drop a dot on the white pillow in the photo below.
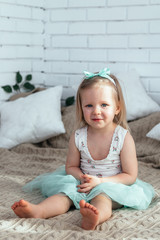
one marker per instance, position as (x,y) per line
(138,103)
(4,96)
(31,119)
(154,132)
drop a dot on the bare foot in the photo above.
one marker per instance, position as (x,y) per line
(90,215)
(24,209)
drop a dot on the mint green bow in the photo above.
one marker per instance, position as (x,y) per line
(103,73)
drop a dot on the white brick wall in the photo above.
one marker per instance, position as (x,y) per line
(21,39)
(56,40)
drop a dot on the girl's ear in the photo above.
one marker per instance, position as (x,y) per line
(117,109)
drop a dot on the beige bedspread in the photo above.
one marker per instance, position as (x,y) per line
(26,161)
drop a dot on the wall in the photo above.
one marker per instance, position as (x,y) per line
(57,40)
(21,39)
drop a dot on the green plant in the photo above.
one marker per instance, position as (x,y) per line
(20,83)
(69,101)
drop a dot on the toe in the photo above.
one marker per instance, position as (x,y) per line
(82,203)
(14,205)
(22,203)
(90,206)
(87,205)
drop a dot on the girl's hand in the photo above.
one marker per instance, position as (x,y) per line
(85,178)
(87,183)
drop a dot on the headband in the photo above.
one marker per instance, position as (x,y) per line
(103,73)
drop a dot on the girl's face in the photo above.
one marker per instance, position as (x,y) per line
(99,106)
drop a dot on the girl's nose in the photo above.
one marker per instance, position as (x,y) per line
(96,110)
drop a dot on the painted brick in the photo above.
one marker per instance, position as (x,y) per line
(13,25)
(56,28)
(47,41)
(56,4)
(38,78)
(144,12)
(155,27)
(7,52)
(155,96)
(154,85)
(57,40)
(68,15)
(47,66)
(20,52)
(30,26)
(15,11)
(114,67)
(38,65)
(155,55)
(35,39)
(7,24)
(86,3)
(8,78)
(155,1)
(47,16)
(87,55)
(125,27)
(56,54)
(75,80)
(144,41)
(13,66)
(69,41)
(87,28)
(55,79)
(107,14)
(128,55)
(37,13)
(127,2)
(20,39)
(32,3)
(108,41)
(29,52)
(12,38)
(9,1)
(146,70)
(69,67)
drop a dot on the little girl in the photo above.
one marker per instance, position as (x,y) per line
(101,167)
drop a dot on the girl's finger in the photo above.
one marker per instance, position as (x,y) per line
(86,176)
(84,190)
(83,185)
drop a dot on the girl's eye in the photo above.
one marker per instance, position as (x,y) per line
(104,105)
(89,105)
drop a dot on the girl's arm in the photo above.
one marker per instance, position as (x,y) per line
(129,168)
(73,160)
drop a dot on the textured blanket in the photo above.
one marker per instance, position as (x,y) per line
(26,161)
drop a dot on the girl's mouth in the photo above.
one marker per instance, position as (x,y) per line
(96,119)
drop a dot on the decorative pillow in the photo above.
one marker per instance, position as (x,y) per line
(31,119)
(147,149)
(138,103)
(69,120)
(154,132)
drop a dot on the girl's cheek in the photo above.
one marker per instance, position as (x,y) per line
(87,111)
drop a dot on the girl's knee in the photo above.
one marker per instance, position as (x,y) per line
(104,198)
(104,206)
(102,201)
(114,205)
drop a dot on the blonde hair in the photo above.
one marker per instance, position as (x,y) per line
(120,118)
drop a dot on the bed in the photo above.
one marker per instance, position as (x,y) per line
(25,161)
